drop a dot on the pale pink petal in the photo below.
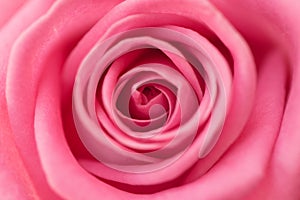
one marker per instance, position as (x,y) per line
(9,9)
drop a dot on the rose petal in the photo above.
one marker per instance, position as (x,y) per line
(8,9)
(34,177)
(30,51)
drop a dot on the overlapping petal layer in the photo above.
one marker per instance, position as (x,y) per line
(163,108)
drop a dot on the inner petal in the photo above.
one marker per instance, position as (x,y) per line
(148,92)
(142,101)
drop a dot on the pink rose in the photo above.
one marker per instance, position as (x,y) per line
(160,99)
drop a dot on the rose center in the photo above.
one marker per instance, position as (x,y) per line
(144,100)
(148,93)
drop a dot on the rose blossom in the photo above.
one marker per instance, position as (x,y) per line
(182,99)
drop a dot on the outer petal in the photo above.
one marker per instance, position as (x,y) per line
(44,45)
(282,174)
(8,9)
(15,181)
